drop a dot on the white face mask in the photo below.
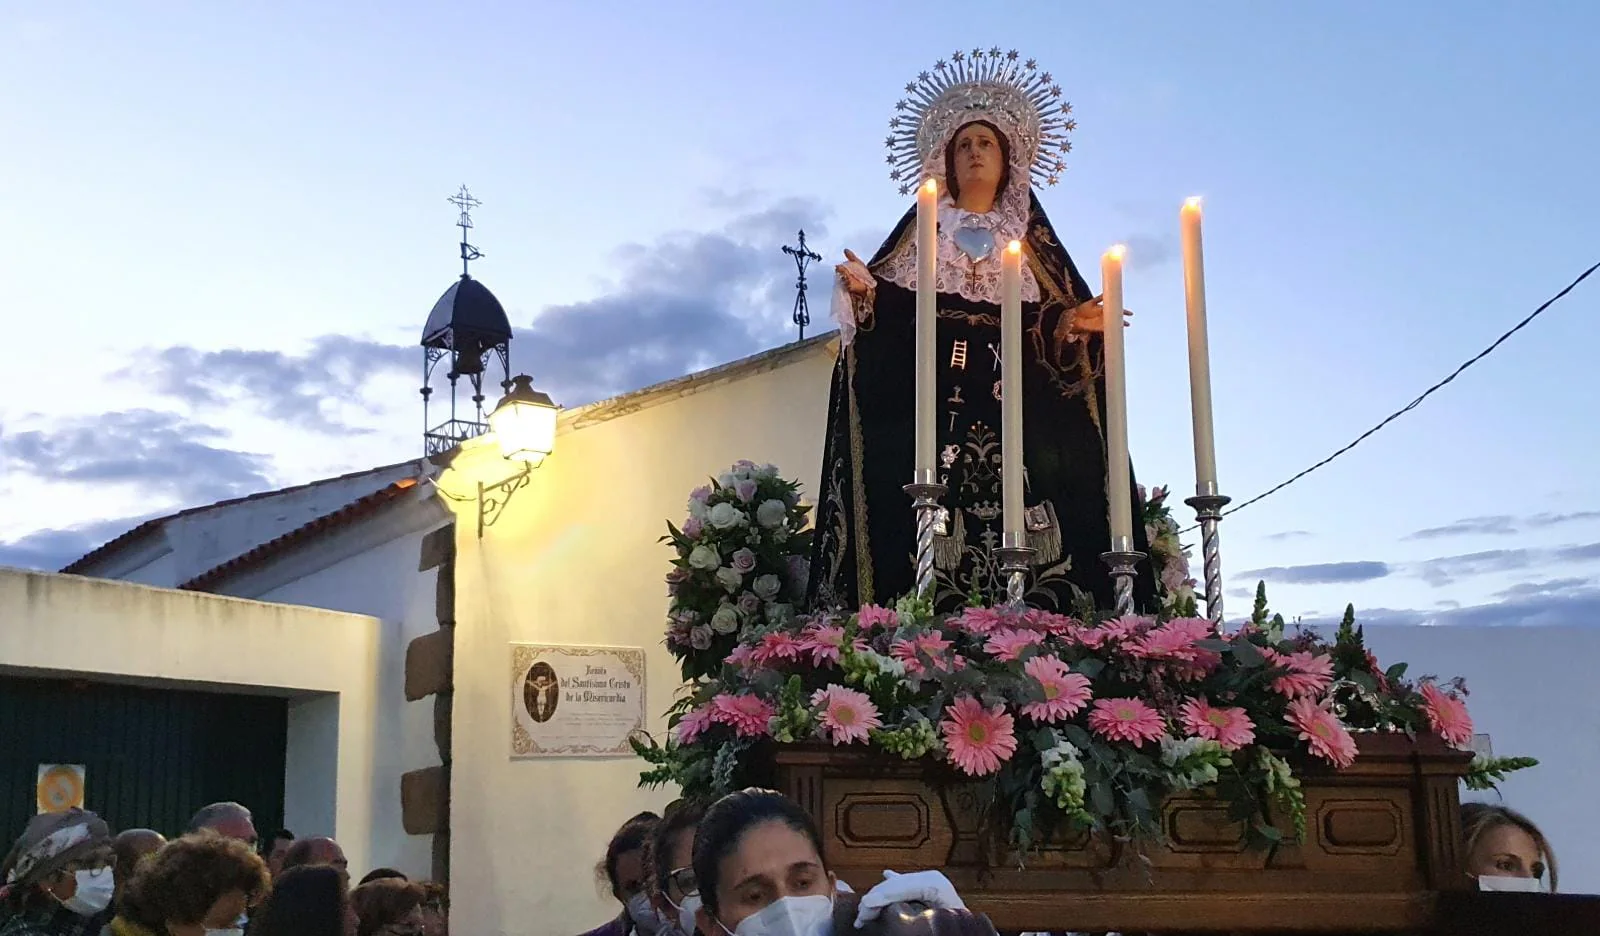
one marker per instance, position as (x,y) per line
(686,913)
(643,914)
(94,892)
(789,916)
(1518,885)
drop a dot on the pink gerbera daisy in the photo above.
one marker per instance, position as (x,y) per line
(871,616)
(1175,640)
(1126,719)
(1447,714)
(1065,692)
(693,724)
(748,715)
(1006,643)
(743,656)
(1310,674)
(1318,727)
(979,621)
(931,645)
(978,740)
(1229,727)
(776,647)
(1056,625)
(847,715)
(1115,631)
(825,643)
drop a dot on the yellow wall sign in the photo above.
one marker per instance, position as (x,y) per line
(60,787)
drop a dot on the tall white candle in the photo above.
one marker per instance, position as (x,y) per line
(927,330)
(1118,473)
(1194,294)
(1011,462)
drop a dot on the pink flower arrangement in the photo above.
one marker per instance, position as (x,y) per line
(1310,674)
(748,715)
(776,647)
(694,723)
(932,645)
(1322,732)
(825,643)
(846,715)
(1056,625)
(1175,640)
(872,616)
(980,621)
(976,739)
(1114,632)
(1065,692)
(1005,644)
(1447,714)
(743,657)
(1127,719)
(1229,727)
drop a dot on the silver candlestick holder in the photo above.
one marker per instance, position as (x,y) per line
(1016,557)
(926,492)
(1208,504)
(1123,561)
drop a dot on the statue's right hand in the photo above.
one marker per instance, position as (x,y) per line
(855,275)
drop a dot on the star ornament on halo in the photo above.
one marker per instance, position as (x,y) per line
(983,84)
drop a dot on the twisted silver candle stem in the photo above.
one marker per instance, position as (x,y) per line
(1123,562)
(1015,558)
(1208,509)
(925,496)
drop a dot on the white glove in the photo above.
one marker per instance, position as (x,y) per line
(925,887)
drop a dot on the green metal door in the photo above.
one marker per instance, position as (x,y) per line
(151,756)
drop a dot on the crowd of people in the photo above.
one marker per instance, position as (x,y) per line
(752,864)
(749,864)
(68,875)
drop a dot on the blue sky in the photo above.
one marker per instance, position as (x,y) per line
(223,229)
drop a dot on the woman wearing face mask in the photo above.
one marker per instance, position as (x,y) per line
(623,871)
(758,863)
(199,885)
(1506,851)
(671,854)
(58,878)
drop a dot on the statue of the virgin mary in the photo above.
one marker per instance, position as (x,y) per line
(984,125)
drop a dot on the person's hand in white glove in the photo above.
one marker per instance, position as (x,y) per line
(930,888)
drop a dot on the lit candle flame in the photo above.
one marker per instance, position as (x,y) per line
(1192,203)
(1117,253)
(932,185)
(1014,247)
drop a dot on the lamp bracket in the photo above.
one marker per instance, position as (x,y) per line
(493,498)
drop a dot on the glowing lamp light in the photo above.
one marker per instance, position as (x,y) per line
(524,422)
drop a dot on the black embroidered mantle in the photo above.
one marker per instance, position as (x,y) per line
(865,531)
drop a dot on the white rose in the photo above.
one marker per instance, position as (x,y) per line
(704,558)
(767,587)
(727,479)
(731,579)
(699,510)
(725,515)
(726,620)
(772,513)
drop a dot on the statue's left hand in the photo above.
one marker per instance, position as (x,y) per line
(1091,316)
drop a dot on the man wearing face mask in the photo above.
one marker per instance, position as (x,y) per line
(58,878)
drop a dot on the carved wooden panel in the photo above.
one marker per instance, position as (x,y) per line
(1382,840)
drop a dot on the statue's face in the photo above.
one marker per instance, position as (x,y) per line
(979,161)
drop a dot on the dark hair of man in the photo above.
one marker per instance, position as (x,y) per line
(306,901)
(680,817)
(384,874)
(725,824)
(631,837)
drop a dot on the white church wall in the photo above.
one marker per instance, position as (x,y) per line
(574,559)
(1533,692)
(324,661)
(370,568)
